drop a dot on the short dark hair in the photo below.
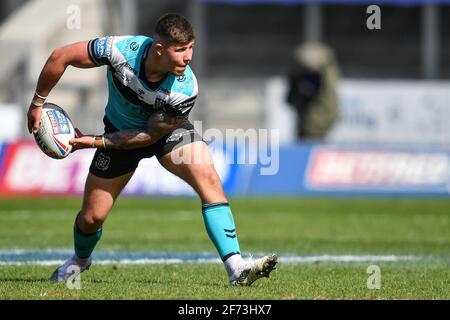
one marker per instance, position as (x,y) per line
(174,28)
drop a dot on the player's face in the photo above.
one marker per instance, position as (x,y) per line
(178,57)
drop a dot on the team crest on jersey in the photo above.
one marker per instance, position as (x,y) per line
(102,162)
(134,46)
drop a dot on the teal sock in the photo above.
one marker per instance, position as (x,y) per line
(221,230)
(85,243)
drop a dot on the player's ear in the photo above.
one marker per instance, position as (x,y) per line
(159,49)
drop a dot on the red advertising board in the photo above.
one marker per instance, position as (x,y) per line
(28,171)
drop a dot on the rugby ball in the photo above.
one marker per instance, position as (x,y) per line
(55,132)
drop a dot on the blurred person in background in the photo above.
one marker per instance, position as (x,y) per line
(152,90)
(312,90)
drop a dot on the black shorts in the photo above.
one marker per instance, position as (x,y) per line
(112,163)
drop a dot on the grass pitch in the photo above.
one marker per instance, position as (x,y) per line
(397,227)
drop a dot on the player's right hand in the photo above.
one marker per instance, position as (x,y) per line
(81,141)
(34,118)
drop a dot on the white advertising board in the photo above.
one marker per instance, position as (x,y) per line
(375,111)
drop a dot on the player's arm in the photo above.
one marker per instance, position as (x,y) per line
(159,125)
(76,55)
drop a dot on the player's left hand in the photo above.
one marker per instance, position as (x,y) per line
(81,141)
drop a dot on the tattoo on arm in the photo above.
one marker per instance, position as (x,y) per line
(129,139)
(158,126)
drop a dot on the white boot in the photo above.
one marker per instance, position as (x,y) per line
(252,270)
(72,267)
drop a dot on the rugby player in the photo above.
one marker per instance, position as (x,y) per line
(152,89)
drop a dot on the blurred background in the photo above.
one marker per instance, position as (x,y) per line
(379,78)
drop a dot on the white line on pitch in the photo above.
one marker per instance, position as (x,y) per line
(55,257)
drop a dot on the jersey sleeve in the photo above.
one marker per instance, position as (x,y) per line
(100,50)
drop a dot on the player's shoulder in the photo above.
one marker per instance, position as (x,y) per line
(130,46)
(117,50)
(186,84)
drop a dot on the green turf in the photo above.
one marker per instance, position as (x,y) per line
(298,226)
(207,281)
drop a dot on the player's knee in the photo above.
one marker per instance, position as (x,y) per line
(91,220)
